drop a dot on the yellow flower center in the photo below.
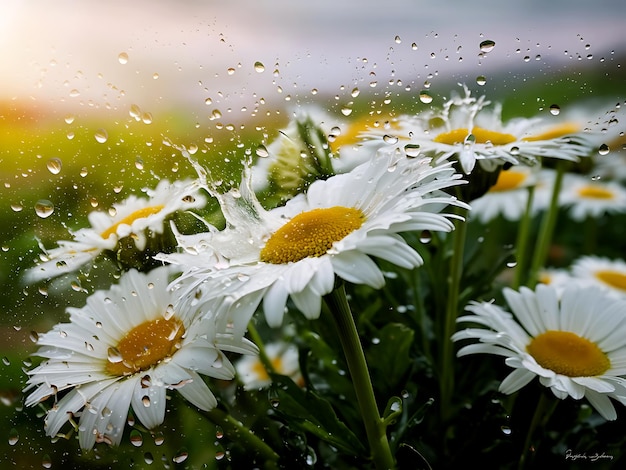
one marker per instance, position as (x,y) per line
(482,136)
(508,180)
(145,346)
(595,192)
(568,354)
(350,136)
(259,369)
(129,219)
(612,278)
(555,132)
(311,234)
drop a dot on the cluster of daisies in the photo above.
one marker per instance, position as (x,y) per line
(342,194)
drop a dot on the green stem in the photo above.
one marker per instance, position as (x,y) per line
(337,303)
(452,311)
(546,231)
(263,357)
(521,243)
(543,411)
(237,432)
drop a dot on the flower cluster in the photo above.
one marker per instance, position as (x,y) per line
(338,213)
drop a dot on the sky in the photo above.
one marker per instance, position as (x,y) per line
(158,54)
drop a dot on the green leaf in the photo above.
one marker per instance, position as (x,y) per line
(306,411)
(388,357)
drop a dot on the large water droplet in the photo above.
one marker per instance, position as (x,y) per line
(425,97)
(555,109)
(261,151)
(481,80)
(603,149)
(54,166)
(390,139)
(122,58)
(114,355)
(136,438)
(101,136)
(44,208)
(412,150)
(181,456)
(259,67)
(487,45)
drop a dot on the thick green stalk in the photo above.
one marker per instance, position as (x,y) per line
(237,432)
(375,428)
(546,231)
(451,314)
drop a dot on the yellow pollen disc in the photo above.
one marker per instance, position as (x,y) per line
(612,278)
(259,369)
(568,354)
(129,219)
(595,192)
(508,180)
(311,234)
(350,136)
(561,130)
(482,136)
(145,346)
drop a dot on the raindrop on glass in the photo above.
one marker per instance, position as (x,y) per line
(259,67)
(122,58)
(69,118)
(181,456)
(13,437)
(136,438)
(44,208)
(506,430)
(261,151)
(390,139)
(555,109)
(101,136)
(604,149)
(114,355)
(54,166)
(487,45)
(481,80)
(425,97)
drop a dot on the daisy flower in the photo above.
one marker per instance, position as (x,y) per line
(609,274)
(123,349)
(508,197)
(135,217)
(575,343)
(589,198)
(467,128)
(284,359)
(331,230)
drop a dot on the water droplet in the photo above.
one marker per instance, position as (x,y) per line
(425,236)
(74,93)
(511,262)
(136,438)
(101,136)
(355,92)
(17,207)
(13,437)
(219,432)
(487,45)
(555,109)
(114,355)
(481,80)
(139,163)
(181,456)
(69,118)
(261,151)
(46,461)
(146,401)
(44,208)
(259,67)
(604,149)
(346,111)
(390,139)
(54,166)
(275,402)
(412,150)
(122,58)
(506,430)
(425,97)
(230,71)
(148,458)
(146,118)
